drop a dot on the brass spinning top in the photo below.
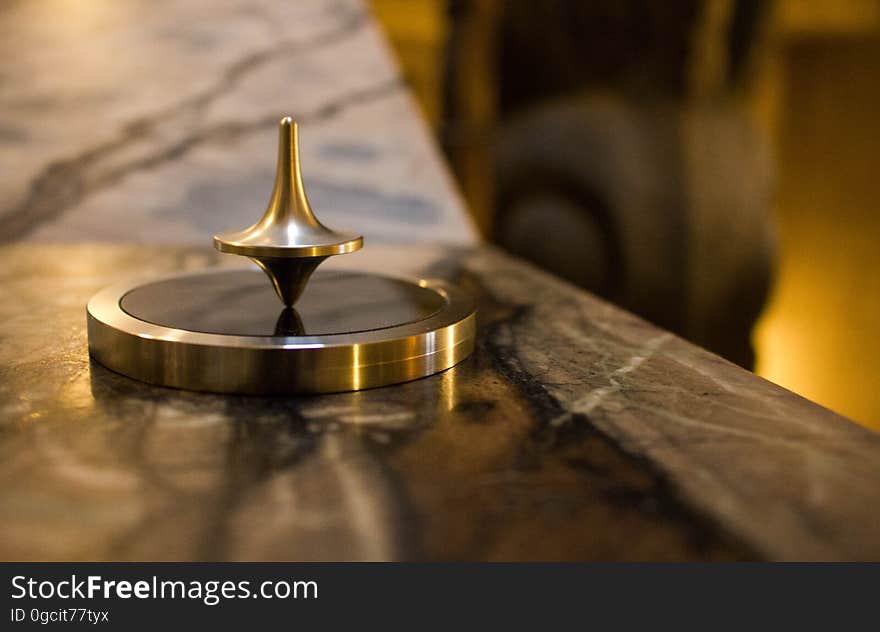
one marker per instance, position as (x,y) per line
(289,242)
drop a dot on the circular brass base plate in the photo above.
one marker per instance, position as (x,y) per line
(225,331)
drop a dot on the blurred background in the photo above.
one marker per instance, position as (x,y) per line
(708,164)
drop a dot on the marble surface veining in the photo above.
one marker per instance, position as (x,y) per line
(575,431)
(155,121)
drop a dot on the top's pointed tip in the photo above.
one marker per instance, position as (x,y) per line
(288,121)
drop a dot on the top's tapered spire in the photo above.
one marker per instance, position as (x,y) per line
(289,196)
(288,242)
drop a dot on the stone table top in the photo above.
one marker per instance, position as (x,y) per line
(156,121)
(575,431)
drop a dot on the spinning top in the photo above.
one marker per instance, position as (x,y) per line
(225,331)
(289,242)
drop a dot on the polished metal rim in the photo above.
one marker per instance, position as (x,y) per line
(220,363)
(350,244)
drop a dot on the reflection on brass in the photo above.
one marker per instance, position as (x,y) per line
(289,242)
(289,323)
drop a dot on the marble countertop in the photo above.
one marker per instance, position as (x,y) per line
(575,431)
(156,121)
(131,131)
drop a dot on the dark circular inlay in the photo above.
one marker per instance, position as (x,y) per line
(243,303)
